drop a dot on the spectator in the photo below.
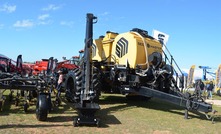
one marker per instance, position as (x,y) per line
(199,88)
(59,83)
(210,89)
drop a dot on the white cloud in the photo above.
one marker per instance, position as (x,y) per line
(51,7)
(24,24)
(104,14)
(67,23)
(43,17)
(8,8)
(45,22)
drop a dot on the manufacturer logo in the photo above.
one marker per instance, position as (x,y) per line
(94,50)
(122,47)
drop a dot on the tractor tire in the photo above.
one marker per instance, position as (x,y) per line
(74,83)
(96,85)
(42,107)
(78,85)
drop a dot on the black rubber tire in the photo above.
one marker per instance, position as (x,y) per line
(42,107)
(78,85)
(71,93)
(96,85)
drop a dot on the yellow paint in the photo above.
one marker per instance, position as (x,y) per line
(135,55)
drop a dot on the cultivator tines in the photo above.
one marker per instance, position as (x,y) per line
(39,87)
(29,88)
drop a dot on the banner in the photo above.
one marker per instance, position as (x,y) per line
(162,37)
(218,78)
(190,76)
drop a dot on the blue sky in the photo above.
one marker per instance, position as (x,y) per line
(43,28)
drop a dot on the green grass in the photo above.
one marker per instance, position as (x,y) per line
(117,114)
(216,97)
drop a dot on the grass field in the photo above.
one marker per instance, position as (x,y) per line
(117,114)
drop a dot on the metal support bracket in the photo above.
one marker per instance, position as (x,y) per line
(87,115)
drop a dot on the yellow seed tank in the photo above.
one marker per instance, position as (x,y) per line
(131,47)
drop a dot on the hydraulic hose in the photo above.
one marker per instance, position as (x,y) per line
(145,48)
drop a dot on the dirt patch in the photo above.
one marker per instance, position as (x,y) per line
(214,102)
(161,132)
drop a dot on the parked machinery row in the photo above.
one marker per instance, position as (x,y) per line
(29,87)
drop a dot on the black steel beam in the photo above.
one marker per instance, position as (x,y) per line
(20,87)
(177,100)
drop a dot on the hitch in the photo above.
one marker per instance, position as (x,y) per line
(212,116)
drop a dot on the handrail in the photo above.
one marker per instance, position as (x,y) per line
(171,61)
